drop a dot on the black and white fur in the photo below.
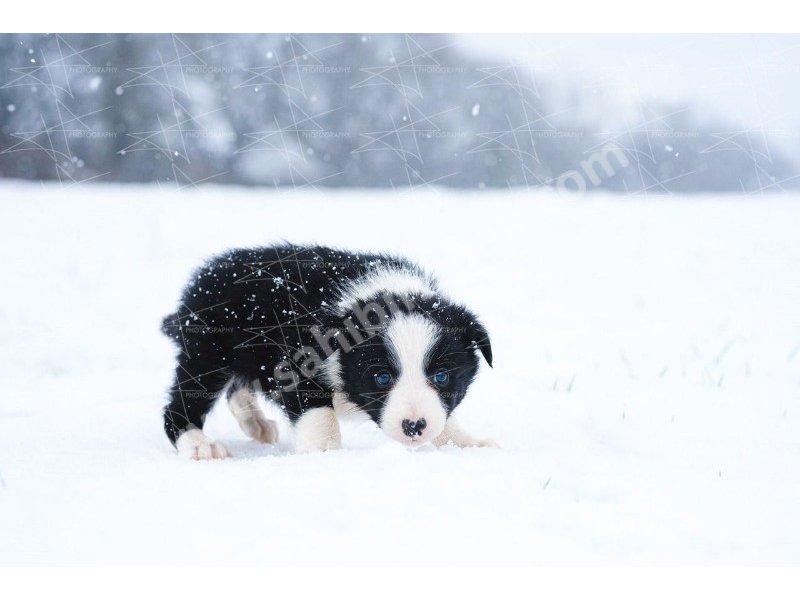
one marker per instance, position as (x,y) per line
(320,331)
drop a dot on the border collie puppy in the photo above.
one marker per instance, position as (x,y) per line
(323,332)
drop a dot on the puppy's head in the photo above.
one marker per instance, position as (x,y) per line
(411,374)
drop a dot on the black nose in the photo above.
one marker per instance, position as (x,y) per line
(414,428)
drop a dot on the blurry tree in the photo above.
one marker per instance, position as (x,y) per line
(384,110)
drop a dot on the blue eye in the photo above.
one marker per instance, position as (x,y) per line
(441,378)
(383,378)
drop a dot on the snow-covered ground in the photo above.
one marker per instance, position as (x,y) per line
(646,389)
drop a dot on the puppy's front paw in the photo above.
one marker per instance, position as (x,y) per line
(305,446)
(464,441)
(196,445)
(317,430)
(486,443)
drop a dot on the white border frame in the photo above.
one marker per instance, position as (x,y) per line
(417,16)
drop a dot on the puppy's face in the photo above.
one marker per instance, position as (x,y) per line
(415,371)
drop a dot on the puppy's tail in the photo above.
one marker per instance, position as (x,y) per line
(170,324)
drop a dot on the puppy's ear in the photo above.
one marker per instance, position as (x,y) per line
(479,339)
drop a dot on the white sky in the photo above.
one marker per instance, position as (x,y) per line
(751,80)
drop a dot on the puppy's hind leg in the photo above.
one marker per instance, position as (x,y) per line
(244,406)
(195,444)
(196,389)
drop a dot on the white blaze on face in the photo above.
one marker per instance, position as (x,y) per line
(385,280)
(410,339)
